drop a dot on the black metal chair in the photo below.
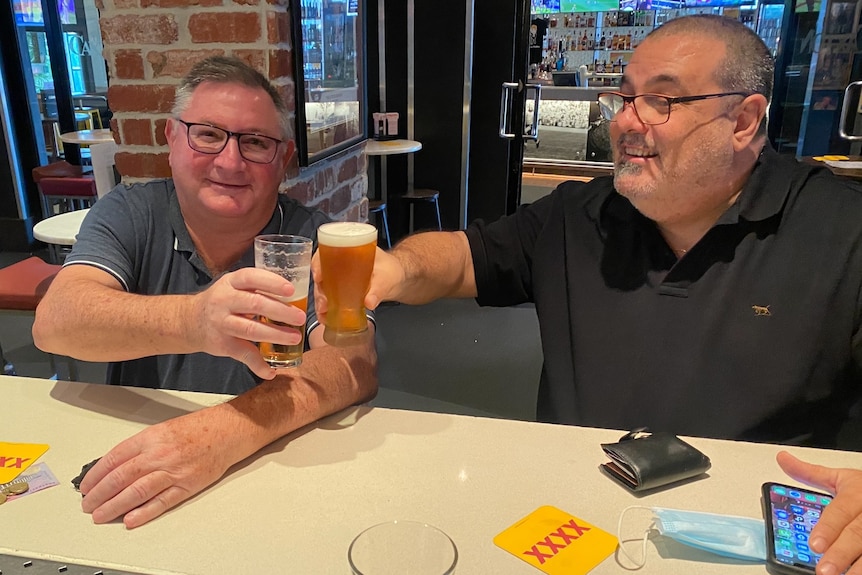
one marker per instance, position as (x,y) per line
(423,196)
(378,208)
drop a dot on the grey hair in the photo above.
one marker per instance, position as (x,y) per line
(748,65)
(229,70)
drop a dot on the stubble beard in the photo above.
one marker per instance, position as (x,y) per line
(628,184)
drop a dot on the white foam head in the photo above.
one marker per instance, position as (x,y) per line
(346,234)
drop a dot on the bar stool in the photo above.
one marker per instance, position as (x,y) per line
(95,118)
(423,196)
(22,286)
(64,186)
(60,151)
(378,208)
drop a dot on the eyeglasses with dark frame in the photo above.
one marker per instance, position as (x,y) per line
(207,139)
(651,109)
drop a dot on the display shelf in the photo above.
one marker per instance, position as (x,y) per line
(595,39)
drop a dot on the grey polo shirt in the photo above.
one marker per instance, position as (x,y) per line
(138,235)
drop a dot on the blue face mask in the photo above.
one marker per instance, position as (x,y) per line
(727,535)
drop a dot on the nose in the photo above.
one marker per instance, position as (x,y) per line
(230,156)
(627,119)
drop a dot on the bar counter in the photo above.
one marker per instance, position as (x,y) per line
(295,506)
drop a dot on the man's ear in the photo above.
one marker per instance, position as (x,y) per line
(170,135)
(170,126)
(750,114)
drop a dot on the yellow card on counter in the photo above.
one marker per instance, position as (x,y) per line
(556,542)
(16,457)
(830,158)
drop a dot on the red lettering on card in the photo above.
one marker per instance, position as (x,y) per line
(538,555)
(552,547)
(555,548)
(563,535)
(580,530)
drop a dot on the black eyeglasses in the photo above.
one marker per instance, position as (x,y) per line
(651,109)
(208,139)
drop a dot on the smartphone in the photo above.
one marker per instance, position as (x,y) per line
(790,513)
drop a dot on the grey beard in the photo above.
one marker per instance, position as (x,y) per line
(627,169)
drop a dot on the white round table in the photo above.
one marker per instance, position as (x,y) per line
(390,147)
(88,137)
(59,230)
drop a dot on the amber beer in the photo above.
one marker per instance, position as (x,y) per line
(289,257)
(346,262)
(276,354)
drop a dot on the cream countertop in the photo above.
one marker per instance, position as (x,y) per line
(295,506)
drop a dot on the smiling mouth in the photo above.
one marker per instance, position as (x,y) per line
(636,152)
(227,185)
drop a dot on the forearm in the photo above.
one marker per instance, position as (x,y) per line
(88,320)
(435,265)
(328,380)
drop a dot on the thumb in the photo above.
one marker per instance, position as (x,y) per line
(808,473)
(372,300)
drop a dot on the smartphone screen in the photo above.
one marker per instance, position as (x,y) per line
(790,515)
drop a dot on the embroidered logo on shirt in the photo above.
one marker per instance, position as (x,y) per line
(761,310)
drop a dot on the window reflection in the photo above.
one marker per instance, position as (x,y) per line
(331,66)
(85,68)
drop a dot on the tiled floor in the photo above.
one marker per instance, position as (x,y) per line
(449,356)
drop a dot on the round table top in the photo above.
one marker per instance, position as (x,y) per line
(88,137)
(61,229)
(389,147)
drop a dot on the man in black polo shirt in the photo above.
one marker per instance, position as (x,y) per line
(711,287)
(162,284)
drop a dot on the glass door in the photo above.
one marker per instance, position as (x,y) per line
(83,88)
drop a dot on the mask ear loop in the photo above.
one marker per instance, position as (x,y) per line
(642,562)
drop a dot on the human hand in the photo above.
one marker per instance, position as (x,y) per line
(386,281)
(838,533)
(157,469)
(223,317)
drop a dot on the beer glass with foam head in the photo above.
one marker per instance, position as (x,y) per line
(289,257)
(346,262)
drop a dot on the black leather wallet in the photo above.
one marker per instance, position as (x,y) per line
(645,461)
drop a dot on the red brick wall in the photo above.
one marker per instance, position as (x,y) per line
(150,44)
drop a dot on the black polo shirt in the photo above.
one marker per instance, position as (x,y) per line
(138,235)
(754,334)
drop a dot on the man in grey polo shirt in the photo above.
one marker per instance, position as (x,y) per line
(161,284)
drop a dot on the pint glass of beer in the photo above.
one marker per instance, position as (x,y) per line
(346,261)
(289,257)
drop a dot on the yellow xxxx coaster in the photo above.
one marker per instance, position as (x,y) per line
(556,542)
(16,457)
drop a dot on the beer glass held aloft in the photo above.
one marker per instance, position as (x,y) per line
(289,257)
(346,261)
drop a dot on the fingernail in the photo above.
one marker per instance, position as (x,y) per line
(826,569)
(818,545)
